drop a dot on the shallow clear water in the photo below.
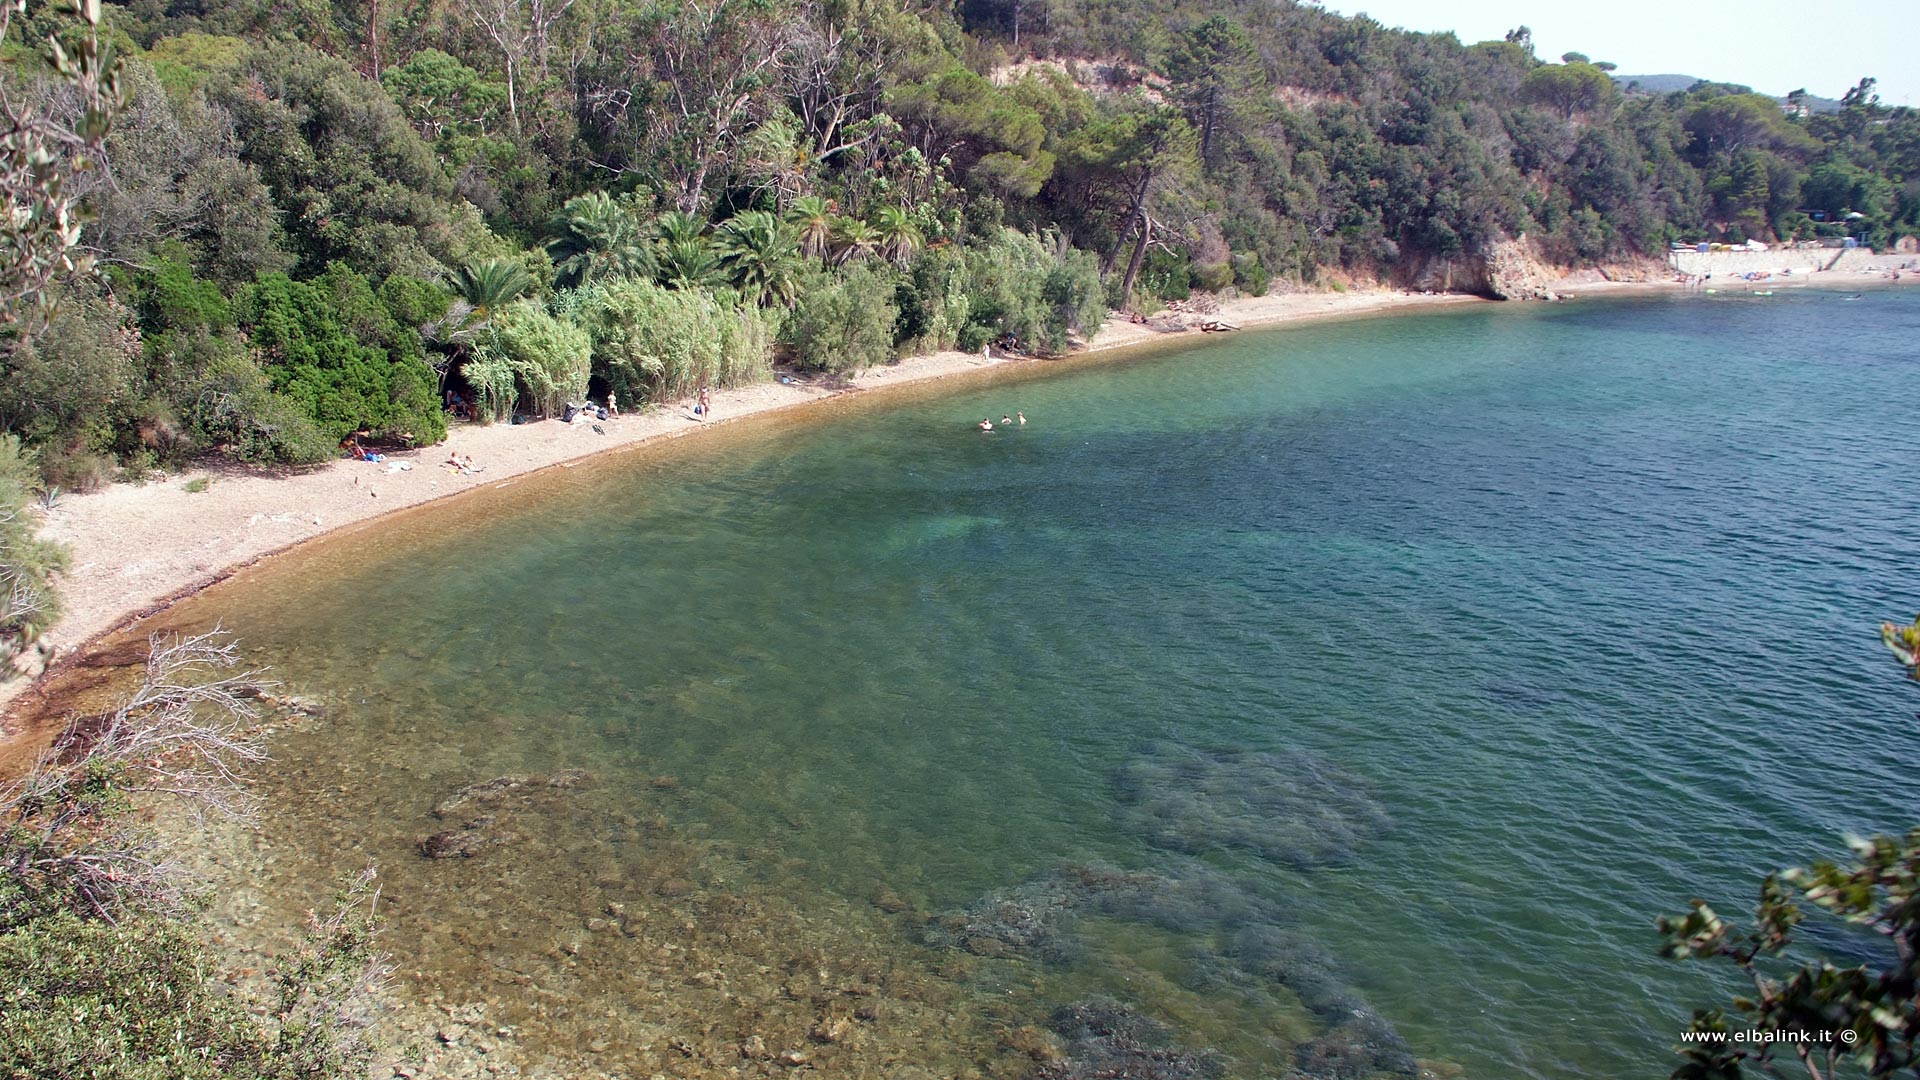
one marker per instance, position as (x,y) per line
(1581,599)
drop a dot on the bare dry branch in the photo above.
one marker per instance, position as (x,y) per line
(184,733)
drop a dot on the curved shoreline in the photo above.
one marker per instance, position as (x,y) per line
(137,549)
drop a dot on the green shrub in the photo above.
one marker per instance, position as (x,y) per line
(136,466)
(845,321)
(170,297)
(495,388)
(1075,298)
(197,485)
(1036,289)
(1249,276)
(70,384)
(107,976)
(335,351)
(1166,274)
(76,468)
(129,1001)
(1212,278)
(229,406)
(28,604)
(655,343)
(932,301)
(550,355)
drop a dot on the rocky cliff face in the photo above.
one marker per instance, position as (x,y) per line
(1505,270)
(1512,273)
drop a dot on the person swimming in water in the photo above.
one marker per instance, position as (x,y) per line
(986,423)
(1023,418)
(1005,420)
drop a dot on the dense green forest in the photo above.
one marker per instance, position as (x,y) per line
(312,219)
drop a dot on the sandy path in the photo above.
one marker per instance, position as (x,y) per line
(135,547)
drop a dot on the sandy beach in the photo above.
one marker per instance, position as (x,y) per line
(136,547)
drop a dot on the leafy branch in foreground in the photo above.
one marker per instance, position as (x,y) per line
(39,149)
(1868,1014)
(28,603)
(107,975)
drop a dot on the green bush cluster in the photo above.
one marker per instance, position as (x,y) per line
(651,342)
(845,322)
(332,349)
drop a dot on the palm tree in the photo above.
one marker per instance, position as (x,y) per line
(899,237)
(760,255)
(600,237)
(853,239)
(676,226)
(687,264)
(487,286)
(684,255)
(811,218)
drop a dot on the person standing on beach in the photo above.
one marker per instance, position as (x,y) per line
(613,407)
(706,404)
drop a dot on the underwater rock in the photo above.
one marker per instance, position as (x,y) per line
(1034,921)
(1359,1042)
(470,839)
(290,705)
(831,1029)
(1193,898)
(1028,920)
(1362,1048)
(501,788)
(1031,920)
(487,808)
(1293,807)
(1300,965)
(1105,1040)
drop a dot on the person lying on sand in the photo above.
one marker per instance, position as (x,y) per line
(359,453)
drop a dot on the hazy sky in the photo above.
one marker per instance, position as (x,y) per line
(1770,45)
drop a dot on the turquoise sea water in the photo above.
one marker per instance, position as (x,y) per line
(1452,649)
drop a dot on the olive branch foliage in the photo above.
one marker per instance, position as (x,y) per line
(1864,1017)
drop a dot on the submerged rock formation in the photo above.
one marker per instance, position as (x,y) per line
(1105,1039)
(1358,1041)
(1251,951)
(1293,806)
(1029,920)
(485,812)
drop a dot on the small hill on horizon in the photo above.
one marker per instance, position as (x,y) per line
(1671,84)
